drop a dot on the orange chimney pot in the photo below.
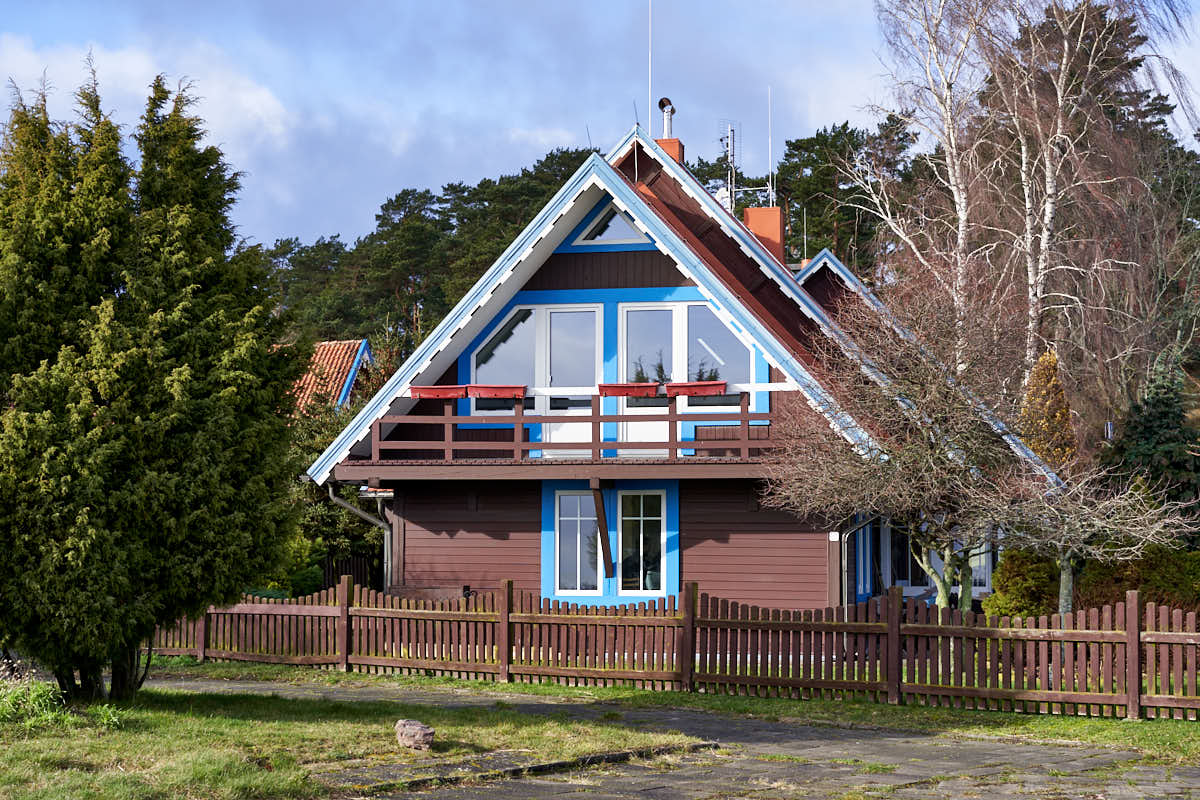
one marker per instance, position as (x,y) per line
(767,225)
(674,148)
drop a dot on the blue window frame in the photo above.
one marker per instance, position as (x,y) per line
(639,514)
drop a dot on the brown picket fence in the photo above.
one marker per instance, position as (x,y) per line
(1126,660)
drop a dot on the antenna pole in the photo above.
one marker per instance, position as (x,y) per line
(649,66)
(770,155)
(804,213)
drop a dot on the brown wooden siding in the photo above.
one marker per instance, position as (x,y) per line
(826,288)
(475,534)
(620,270)
(765,557)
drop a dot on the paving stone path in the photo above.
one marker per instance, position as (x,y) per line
(760,759)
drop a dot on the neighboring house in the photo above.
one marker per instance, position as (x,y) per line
(591,419)
(332,372)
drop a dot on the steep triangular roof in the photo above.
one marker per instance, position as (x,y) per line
(594,178)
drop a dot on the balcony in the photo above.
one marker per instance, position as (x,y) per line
(658,435)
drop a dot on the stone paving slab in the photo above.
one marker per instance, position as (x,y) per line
(761,760)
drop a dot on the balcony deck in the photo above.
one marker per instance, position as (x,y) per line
(450,446)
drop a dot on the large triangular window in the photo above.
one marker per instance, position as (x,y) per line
(612,227)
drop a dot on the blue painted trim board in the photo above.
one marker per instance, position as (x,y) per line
(610,594)
(364,351)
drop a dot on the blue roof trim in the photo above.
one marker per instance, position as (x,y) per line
(597,167)
(364,350)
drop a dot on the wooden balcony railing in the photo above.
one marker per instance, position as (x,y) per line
(739,433)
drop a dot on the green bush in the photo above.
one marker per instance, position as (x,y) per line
(1024,585)
(308,580)
(1164,576)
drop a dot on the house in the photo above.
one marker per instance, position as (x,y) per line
(591,419)
(332,373)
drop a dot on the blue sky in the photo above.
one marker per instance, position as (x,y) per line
(331,108)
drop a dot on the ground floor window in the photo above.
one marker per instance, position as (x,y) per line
(642,536)
(640,520)
(577,543)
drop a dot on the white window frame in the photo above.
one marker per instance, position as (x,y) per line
(679,343)
(541,354)
(582,241)
(558,590)
(662,591)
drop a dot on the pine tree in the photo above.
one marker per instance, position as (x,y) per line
(144,471)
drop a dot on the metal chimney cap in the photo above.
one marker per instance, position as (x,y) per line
(664,104)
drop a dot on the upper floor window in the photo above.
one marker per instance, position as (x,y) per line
(611,227)
(682,342)
(542,346)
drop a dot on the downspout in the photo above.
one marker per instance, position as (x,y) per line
(377,522)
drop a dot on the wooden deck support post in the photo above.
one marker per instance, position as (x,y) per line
(343,623)
(1133,656)
(686,648)
(504,630)
(201,636)
(448,431)
(744,425)
(895,606)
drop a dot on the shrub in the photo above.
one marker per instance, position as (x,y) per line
(31,704)
(1024,585)
(1164,576)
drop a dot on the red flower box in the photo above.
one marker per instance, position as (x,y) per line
(696,389)
(437,392)
(628,389)
(495,391)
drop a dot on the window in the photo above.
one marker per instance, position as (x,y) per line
(714,354)
(541,346)
(507,357)
(572,355)
(642,532)
(578,543)
(682,342)
(905,569)
(612,227)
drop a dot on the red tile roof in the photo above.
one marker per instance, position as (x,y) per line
(327,372)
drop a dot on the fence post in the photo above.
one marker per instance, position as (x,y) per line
(343,623)
(504,630)
(1133,656)
(201,636)
(686,649)
(895,601)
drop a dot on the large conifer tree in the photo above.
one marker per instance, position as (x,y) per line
(143,467)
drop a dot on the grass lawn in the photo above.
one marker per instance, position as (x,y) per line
(169,744)
(1162,741)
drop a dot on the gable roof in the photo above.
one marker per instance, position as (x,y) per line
(735,294)
(331,372)
(560,216)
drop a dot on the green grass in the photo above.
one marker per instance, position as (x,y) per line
(867,767)
(180,744)
(1161,741)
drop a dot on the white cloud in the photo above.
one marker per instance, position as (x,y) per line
(543,138)
(241,115)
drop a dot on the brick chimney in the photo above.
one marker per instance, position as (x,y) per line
(673,146)
(767,225)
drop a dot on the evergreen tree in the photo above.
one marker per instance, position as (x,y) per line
(143,469)
(1046,416)
(1156,440)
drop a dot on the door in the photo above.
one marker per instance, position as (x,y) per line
(647,355)
(573,361)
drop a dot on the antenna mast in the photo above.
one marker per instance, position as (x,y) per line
(649,65)
(770,155)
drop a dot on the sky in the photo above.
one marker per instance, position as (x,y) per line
(330,108)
